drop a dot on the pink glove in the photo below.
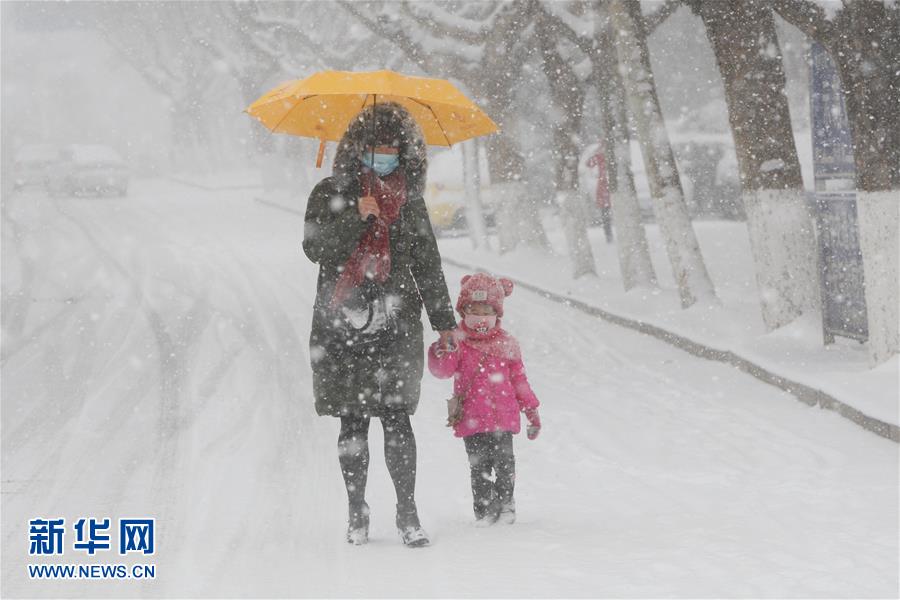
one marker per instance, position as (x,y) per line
(534,423)
(446,344)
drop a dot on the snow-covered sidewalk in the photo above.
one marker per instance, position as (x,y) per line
(733,328)
(161,369)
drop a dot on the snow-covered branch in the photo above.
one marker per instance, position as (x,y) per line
(808,17)
(659,16)
(445,24)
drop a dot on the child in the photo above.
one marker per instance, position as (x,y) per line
(490,378)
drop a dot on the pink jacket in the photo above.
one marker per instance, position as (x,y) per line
(496,394)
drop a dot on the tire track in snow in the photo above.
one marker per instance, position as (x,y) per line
(254,332)
(167,485)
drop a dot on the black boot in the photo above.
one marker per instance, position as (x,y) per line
(487,510)
(409,528)
(358,524)
(507,512)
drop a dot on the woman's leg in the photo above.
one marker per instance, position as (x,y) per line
(480,467)
(400,456)
(353,453)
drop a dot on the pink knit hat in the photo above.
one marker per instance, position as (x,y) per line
(485,289)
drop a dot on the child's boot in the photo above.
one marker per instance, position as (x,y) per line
(507,512)
(487,511)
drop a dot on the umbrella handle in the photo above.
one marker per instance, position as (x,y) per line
(321,154)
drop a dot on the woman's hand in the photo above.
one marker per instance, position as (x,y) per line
(447,343)
(368,206)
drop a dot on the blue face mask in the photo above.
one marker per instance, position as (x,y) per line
(383,164)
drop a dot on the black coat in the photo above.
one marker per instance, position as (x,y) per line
(384,373)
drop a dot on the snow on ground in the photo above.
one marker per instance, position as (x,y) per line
(155,364)
(795,351)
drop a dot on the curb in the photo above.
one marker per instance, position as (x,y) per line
(803,393)
(280,207)
(210,188)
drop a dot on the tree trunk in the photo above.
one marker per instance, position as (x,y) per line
(517,217)
(879,221)
(782,237)
(867,54)
(863,42)
(631,241)
(474,210)
(671,212)
(568,97)
(516,212)
(572,208)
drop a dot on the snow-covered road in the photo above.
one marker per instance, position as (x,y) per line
(155,364)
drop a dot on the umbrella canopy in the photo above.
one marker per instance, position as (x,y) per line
(322,105)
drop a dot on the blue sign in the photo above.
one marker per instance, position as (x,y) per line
(831,140)
(840,259)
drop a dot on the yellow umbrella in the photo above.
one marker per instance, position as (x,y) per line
(322,105)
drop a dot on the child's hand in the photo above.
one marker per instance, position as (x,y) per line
(534,424)
(447,343)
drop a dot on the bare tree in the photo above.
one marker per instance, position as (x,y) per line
(782,238)
(163,43)
(474,209)
(586,24)
(682,248)
(634,255)
(863,39)
(481,45)
(568,97)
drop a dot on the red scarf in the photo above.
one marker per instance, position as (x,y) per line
(496,342)
(373,253)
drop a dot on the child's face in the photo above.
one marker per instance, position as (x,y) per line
(479,309)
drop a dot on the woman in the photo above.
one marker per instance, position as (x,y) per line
(368,229)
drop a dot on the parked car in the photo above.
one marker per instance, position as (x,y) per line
(83,168)
(446,207)
(445,194)
(33,164)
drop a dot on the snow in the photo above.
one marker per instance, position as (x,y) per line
(773,164)
(155,364)
(37,152)
(829,7)
(842,370)
(782,236)
(440,16)
(580,24)
(446,164)
(89,153)
(879,221)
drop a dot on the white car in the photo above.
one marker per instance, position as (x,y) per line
(83,168)
(33,165)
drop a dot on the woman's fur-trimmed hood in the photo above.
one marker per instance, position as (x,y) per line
(393,126)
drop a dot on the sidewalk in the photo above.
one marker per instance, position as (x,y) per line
(837,377)
(239,179)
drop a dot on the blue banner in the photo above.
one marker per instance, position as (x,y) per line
(840,260)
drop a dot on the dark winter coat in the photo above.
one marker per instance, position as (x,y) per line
(378,368)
